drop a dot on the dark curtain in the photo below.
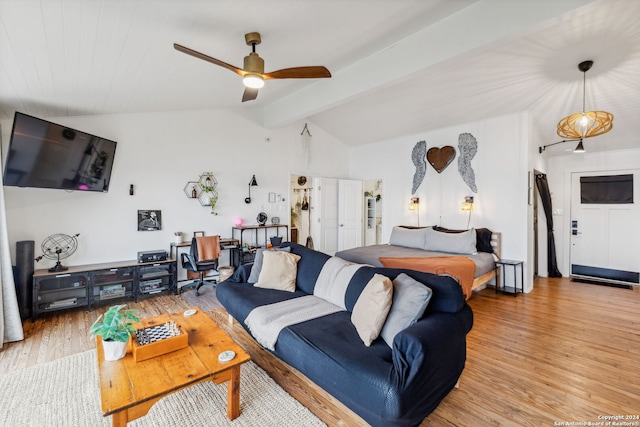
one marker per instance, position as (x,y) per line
(545,195)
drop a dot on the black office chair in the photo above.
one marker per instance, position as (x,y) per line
(192,261)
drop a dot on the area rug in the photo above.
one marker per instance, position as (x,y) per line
(65,393)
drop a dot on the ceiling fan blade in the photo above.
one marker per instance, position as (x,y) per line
(313,72)
(183,49)
(249,94)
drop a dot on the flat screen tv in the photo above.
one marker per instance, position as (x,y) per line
(47,155)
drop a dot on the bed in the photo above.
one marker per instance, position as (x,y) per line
(449,252)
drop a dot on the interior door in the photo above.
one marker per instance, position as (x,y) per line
(350,214)
(328,218)
(605,238)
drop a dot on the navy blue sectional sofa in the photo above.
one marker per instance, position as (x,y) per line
(385,386)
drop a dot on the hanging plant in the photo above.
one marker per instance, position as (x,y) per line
(212,202)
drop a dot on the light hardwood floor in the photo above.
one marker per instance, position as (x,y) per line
(567,352)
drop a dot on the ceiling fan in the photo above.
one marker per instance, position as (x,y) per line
(253,74)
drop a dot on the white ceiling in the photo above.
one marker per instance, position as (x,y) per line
(399,66)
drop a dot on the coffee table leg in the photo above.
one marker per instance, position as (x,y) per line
(119,419)
(233,394)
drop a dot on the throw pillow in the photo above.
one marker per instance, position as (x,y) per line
(279,271)
(408,237)
(410,300)
(372,307)
(257,262)
(483,237)
(458,243)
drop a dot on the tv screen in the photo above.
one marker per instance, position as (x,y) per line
(47,155)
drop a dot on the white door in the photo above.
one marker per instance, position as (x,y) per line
(605,236)
(350,202)
(328,218)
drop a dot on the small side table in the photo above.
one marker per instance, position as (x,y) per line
(501,285)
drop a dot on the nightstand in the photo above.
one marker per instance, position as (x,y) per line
(501,276)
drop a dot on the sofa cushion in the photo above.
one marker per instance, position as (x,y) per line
(372,308)
(334,279)
(455,243)
(279,271)
(309,266)
(408,237)
(410,300)
(257,262)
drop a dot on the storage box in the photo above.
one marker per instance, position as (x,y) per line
(160,346)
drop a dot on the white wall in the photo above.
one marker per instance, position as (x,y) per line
(500,166)
(159,153)
(559,176)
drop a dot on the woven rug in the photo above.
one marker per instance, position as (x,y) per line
(65,393)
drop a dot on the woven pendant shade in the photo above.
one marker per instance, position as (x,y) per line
(585,125)
(588,123)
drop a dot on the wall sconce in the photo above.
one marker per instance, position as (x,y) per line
(467,205)
(414,204)
(252,183)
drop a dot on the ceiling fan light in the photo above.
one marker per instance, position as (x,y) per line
(253,81)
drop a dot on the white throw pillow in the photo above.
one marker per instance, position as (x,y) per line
(410,300)
(372,308)
(455,243)
(279,271)
(257,262)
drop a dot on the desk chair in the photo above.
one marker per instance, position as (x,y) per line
(203,256)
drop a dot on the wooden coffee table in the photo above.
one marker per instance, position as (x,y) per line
(129,389)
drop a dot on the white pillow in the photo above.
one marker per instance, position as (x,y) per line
(372,307)
(279,271)
(455,243)
(257,262)
(410,300)
(408,237)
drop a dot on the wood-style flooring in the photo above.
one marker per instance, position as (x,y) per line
(567,352)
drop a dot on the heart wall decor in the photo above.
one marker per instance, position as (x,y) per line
(440,158)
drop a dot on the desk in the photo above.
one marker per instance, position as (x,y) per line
(242,259)
(244,228)
(226,243)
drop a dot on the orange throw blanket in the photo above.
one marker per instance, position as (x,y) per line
(459,267)
(208,248)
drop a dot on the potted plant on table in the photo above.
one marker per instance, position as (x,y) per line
(115,327)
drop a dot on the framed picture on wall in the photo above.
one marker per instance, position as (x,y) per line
(149,220)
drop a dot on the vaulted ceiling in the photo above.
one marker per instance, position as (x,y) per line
(399,66)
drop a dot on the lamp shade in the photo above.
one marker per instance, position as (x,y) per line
(253,182)
(585,125)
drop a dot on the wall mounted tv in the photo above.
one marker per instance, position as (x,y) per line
(47,155)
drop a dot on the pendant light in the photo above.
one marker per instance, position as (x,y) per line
(587,123)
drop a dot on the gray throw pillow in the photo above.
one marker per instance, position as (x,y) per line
(408,237)
(410,300)
(257,262)
(459,243)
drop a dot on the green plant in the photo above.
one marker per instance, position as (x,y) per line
(115,324)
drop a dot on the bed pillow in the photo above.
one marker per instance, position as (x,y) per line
(410,300)
(279,271)
(455,243)
(408,237)
(483,237)
(372,307)
(257,262)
